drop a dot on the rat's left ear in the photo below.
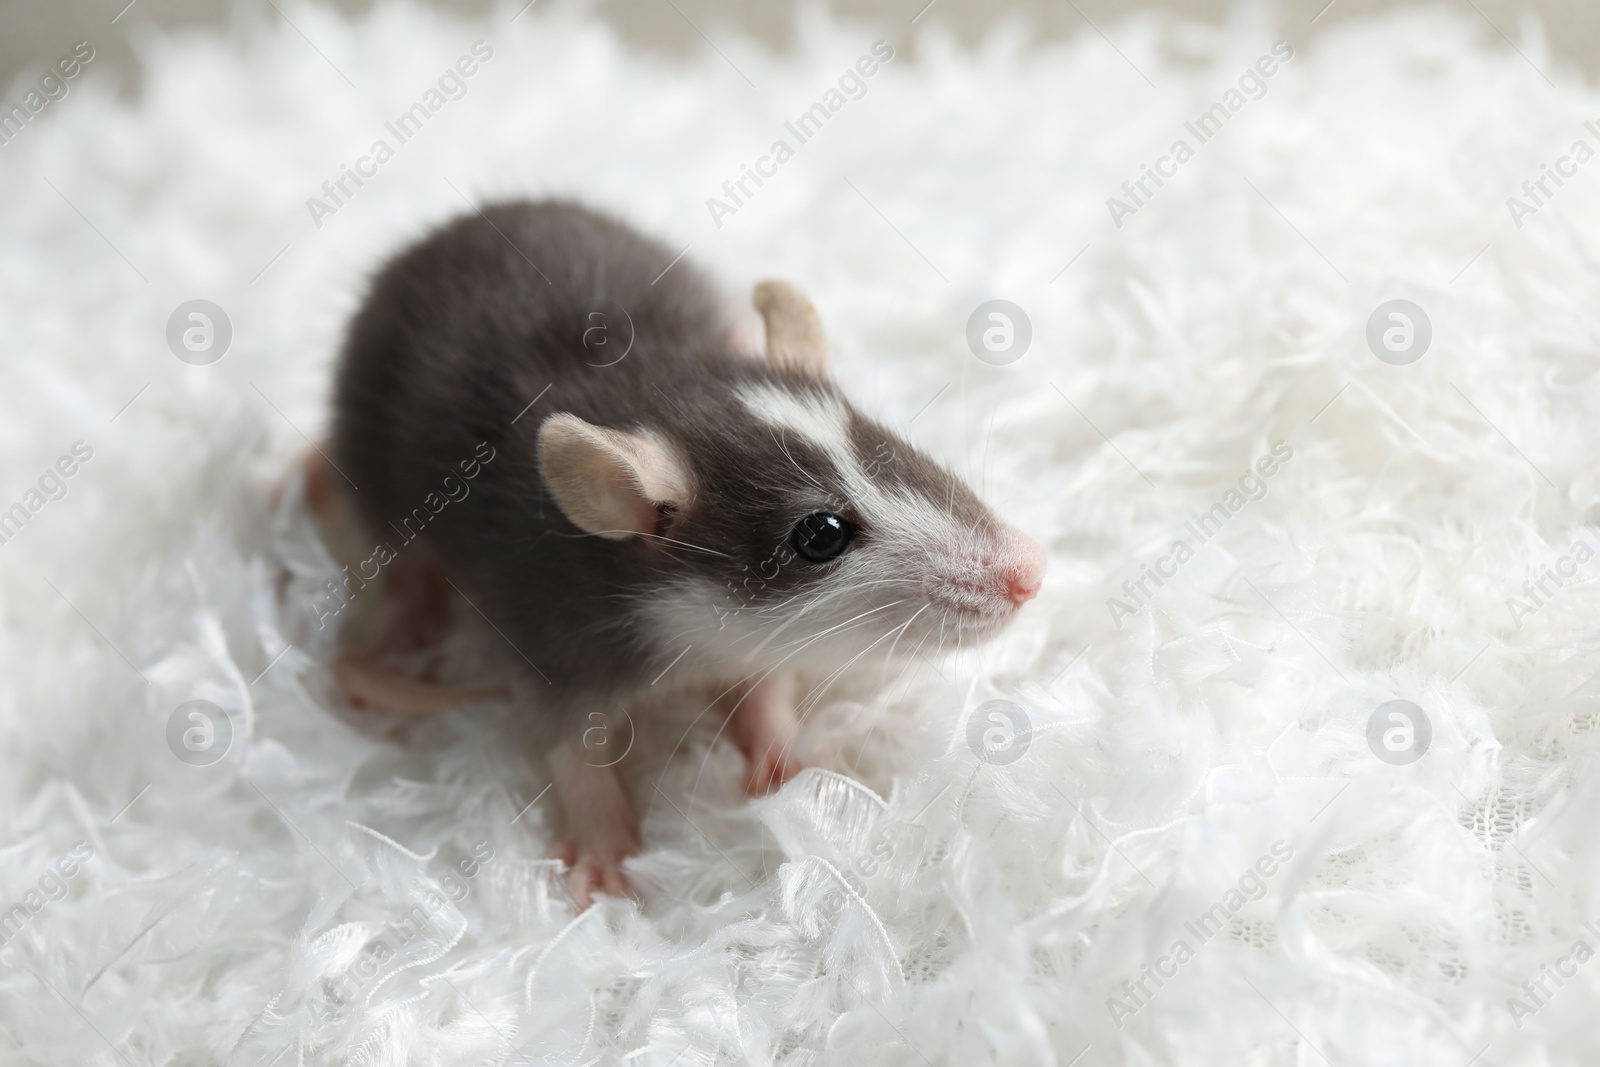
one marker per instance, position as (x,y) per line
(794,333)
(610,483)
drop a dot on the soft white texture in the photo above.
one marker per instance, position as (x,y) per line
(979,913)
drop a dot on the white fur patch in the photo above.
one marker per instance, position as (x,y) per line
(822,422)
(817,417)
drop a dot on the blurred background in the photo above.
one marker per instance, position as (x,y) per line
(36,32)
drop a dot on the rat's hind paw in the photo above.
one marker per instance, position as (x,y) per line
(372,685)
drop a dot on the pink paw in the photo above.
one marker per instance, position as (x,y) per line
(596,869)
(769,771)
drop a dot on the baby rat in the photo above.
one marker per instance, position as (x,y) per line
(638,499)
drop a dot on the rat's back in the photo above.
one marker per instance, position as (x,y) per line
(459,337)
(463,329)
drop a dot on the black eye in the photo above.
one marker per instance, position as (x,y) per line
(822,536)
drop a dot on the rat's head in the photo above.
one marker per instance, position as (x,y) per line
(777,524)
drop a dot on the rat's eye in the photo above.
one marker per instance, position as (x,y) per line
(822,536)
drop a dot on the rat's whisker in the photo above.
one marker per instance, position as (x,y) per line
(814,697)
(663,537)
(831,629)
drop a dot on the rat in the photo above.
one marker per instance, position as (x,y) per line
(546,413)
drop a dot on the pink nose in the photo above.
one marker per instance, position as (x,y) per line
(1024,573)
(1022,590)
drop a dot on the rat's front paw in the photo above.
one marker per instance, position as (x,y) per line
(770,770)
(601,829)
(763,723)
(596,868)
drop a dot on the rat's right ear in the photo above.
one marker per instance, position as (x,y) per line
(794,332)
(610,483)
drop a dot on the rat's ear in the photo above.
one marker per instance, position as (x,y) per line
(794,333)
(610,483)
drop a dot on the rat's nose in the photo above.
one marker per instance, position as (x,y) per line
(1024,572)
(1021,590)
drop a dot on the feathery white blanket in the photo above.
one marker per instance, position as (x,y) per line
(1192,852)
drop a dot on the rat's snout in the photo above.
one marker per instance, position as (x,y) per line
(1023,574)
(990,580)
